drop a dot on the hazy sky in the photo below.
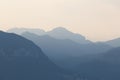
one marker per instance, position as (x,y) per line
(95,19)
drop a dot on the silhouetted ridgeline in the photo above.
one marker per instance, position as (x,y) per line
(21,59)
(66,53)
(62,33)
(88,60)
(57,33)
(114,42)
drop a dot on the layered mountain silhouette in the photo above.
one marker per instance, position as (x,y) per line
(64,52)
(114,42)
(58,33)
(91,61)
(21,59)
(62,33)
(105,66)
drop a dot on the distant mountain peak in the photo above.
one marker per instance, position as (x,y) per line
(63,33)
(57,33)
(59,28)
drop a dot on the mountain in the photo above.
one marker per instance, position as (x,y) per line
(21,59)
(62,33)
(114,42)
(92,61)
(58,33)
(112,55)
(96,61)
(65,52)
(22,30)
(105,66)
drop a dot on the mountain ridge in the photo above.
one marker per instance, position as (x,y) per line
(58,33)
(114,42)
(65,50)
(21,59)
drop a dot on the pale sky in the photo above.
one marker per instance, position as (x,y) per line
(98,20)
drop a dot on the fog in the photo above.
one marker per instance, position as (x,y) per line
(98,20)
